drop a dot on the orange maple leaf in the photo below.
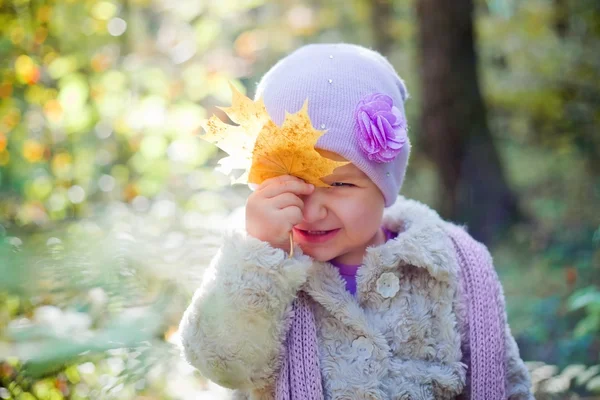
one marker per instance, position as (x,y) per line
(264,150)
(290,150)
(237,141)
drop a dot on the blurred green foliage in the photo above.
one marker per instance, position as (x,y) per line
(110,209)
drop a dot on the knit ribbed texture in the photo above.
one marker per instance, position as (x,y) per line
(300,376)
(486,318)
(334,78)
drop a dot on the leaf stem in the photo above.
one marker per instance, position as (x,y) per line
(291,245)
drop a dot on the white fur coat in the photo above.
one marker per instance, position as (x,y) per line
(401,337)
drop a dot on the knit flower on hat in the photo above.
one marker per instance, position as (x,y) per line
(382,127)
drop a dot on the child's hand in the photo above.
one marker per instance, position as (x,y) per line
(274,208)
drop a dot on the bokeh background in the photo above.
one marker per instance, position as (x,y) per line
(110,207)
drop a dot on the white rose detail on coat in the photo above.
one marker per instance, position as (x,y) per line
(388,284)
(362,348)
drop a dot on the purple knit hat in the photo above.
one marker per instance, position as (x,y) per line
(356,96)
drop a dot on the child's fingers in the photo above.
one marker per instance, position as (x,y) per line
(293,215)
(286,200)
(295,186)
(277,179)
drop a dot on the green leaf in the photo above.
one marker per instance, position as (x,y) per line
(583,298)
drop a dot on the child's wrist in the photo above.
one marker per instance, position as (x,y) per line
(284,245)
(274,243)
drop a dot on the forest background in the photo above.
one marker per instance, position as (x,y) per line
(110,208)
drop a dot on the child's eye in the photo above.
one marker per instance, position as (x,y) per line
(341,184)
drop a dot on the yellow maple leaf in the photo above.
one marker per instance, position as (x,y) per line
(290,150)
(237,141)
(264,150)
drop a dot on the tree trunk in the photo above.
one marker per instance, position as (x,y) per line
(561,19)
(454,129)
(382,14)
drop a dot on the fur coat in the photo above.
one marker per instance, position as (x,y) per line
(404,335)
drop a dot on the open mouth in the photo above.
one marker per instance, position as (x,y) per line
(315,236)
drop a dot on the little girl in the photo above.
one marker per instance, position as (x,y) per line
(382,299)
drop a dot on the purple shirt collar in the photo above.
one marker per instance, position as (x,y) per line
(348,271)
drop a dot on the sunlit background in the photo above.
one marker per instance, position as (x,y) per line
(110,208)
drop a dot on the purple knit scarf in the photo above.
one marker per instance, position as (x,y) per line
(300,375)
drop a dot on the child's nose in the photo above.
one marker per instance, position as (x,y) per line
(314,207)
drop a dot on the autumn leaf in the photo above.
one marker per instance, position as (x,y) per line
(264,150)
(237,141)
(290,150)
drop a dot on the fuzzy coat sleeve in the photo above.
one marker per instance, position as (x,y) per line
(518,381)
(234,329)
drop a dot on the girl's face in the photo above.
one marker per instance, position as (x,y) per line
(341,221)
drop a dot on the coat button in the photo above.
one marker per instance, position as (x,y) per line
(362,348)
(388,284)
